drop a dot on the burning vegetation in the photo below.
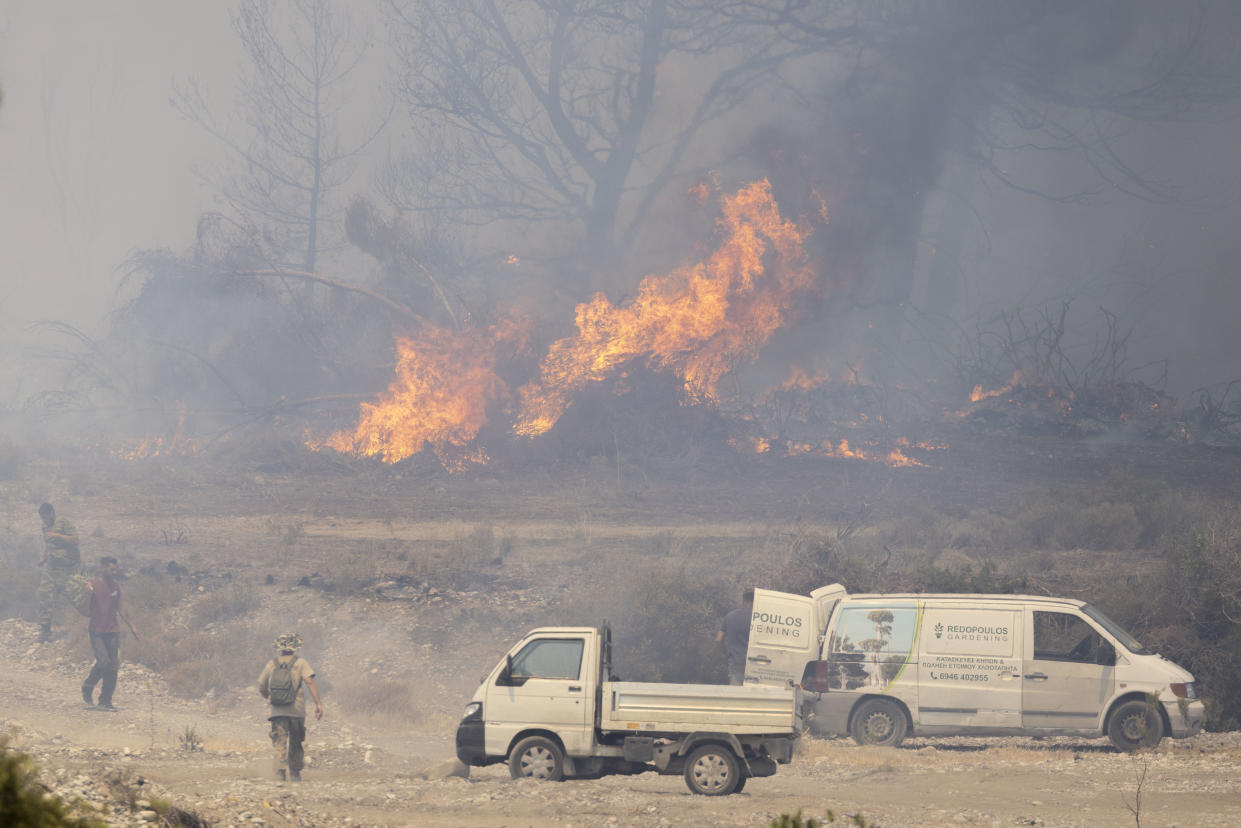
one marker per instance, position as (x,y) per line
(696,323)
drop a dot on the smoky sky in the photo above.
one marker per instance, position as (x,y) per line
(95,164)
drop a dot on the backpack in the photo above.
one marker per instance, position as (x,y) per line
(281,688)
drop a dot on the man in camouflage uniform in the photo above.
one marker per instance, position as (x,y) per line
(288,721)
(61,561)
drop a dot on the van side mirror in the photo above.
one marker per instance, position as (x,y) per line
(506,677)
(814,677)
(1106,655)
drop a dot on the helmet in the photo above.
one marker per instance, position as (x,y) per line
(288,641)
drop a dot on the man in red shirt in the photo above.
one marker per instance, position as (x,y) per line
(105,634)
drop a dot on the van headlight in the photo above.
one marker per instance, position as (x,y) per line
(473,710)
(1184,691)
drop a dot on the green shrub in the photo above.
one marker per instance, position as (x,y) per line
(1038,519)
(22,802)
(666,624)
(1199,600)
(918,527)
(986,580)
(985,530)
(1097,526)
(798,821)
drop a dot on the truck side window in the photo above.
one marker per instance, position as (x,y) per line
(559,658)
(1059,636)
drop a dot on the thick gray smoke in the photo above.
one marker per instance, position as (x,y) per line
(462,162)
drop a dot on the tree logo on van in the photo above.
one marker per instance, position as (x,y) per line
(939,630)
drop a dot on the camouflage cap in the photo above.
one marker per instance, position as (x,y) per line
(288,641)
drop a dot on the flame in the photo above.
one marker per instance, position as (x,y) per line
(698,321)
(895,457)
(978,394)
(178,443)
(445,382)
(799,380)
(705,187)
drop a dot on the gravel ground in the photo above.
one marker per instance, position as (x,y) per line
(136,767)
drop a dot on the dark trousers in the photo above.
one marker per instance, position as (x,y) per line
(287,735)
(106,647)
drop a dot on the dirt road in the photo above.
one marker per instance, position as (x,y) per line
(128,765)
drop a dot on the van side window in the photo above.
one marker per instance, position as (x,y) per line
(559,658)
(1059,636)
(870,645)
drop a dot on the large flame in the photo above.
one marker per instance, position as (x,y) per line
(445,382)
(698,321)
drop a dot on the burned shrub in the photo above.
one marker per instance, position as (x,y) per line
(13,459)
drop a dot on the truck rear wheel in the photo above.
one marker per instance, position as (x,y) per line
(712,770)
(878,722)
(536,757)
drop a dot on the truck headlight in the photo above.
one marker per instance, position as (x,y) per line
(473,710)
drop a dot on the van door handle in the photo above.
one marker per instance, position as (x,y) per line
(575,688)
(759,659)
(1037,676)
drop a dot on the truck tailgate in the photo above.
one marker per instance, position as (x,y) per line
(644,706)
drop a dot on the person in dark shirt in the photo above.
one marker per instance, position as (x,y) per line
(734,637)
(103,603)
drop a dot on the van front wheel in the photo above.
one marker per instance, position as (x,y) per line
(878,722)
(1135,725)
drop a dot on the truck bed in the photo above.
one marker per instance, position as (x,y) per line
(638,707)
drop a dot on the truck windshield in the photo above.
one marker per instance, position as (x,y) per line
(1118,632)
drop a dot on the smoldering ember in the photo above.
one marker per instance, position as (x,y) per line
(652,412)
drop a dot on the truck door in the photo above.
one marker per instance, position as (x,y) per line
(970,671)
(550,686)
(1068,674)
(783,637)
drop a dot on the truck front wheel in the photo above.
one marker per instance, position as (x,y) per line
(712,770)
(536,757)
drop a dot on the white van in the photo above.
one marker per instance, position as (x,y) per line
(889,666)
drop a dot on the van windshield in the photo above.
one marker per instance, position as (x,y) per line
(1118,632)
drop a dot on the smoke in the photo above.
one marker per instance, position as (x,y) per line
(952,161)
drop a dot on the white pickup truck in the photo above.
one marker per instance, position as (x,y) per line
(551,709)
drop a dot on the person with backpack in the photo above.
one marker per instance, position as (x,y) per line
(281,684)
(60,562)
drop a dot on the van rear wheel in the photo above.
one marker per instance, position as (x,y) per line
(878,722)
(536,757)
(1135,725)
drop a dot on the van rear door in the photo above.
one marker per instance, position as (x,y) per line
(783,637)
